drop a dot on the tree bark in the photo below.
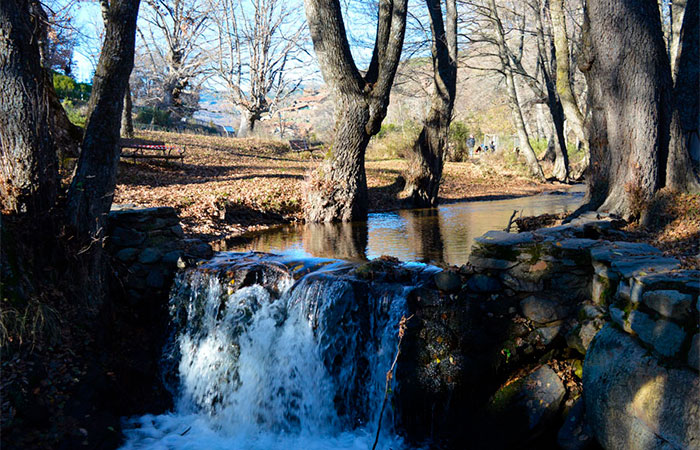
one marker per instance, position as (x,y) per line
(338,189)
(28,166)
(518,120)
(629,78)
(678,8)
(92,189)
(572,112)
(684,152)
(427,155)
(127,126)
(247,123)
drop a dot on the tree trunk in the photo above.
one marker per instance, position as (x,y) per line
(678,8)
(247,123)
(629,78)
(92,189)
(572,112)
(518,120)
(684,151)
(426,160)
(127,127)
(338,189)
(28,166)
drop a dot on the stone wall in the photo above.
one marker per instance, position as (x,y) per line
(640,374)
(147,246)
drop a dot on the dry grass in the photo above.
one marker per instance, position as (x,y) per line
(263,180)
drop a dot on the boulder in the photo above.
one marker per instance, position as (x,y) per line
(522,409)
(666,337)
(575,434)
(633,402)
(669,303)
(541,310)
(483,283)
(127,254)
(448,281)
(150,255)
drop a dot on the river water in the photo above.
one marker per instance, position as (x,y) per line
(438,235)
(296,358)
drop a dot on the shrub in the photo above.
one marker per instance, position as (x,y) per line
(67,88)
(77,114)
(156,116)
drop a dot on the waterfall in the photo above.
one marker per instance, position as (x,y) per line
(268,353)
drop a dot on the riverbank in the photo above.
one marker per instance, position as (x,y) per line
(229,186)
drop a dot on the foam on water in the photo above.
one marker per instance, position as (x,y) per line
(250,371)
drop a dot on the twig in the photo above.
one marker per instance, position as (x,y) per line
(510,221)
(390,375)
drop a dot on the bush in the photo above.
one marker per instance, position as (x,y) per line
(148,115)
(77,114)
(457,146)
(67,88)
(392,141)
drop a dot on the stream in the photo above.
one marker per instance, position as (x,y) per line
(437,235)
(291,351)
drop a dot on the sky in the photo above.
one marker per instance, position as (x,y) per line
(360,27)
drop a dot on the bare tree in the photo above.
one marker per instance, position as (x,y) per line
(429,149)
(573,113)
(173,34)
(338,190)
(260,43)
(505,57)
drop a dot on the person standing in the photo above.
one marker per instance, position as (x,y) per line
(471,142)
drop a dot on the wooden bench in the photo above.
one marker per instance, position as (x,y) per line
(143,149)
(303,145)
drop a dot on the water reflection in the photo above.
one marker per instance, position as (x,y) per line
(440,235)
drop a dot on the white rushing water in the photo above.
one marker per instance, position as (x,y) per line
(250,371)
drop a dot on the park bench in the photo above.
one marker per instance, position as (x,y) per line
(303,145)
(143,149)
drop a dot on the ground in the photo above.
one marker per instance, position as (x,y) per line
(227,186)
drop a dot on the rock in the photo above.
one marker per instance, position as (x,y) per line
(616,251)
(548,333)
(580,337)
(155,279)
(694,353)
(177,230)
(575,434)
(541,310)
(127,254)
(601,290)
(624,291)
(150,255)
(201,250)
(618,316)
(483,283)
(643,265)
(633,402)
(668,303)
(678,280)
(588,312)
(126,237)
(171,259)
(523,407)
(666,337)
(448,281)
(490,263)
(521,285)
